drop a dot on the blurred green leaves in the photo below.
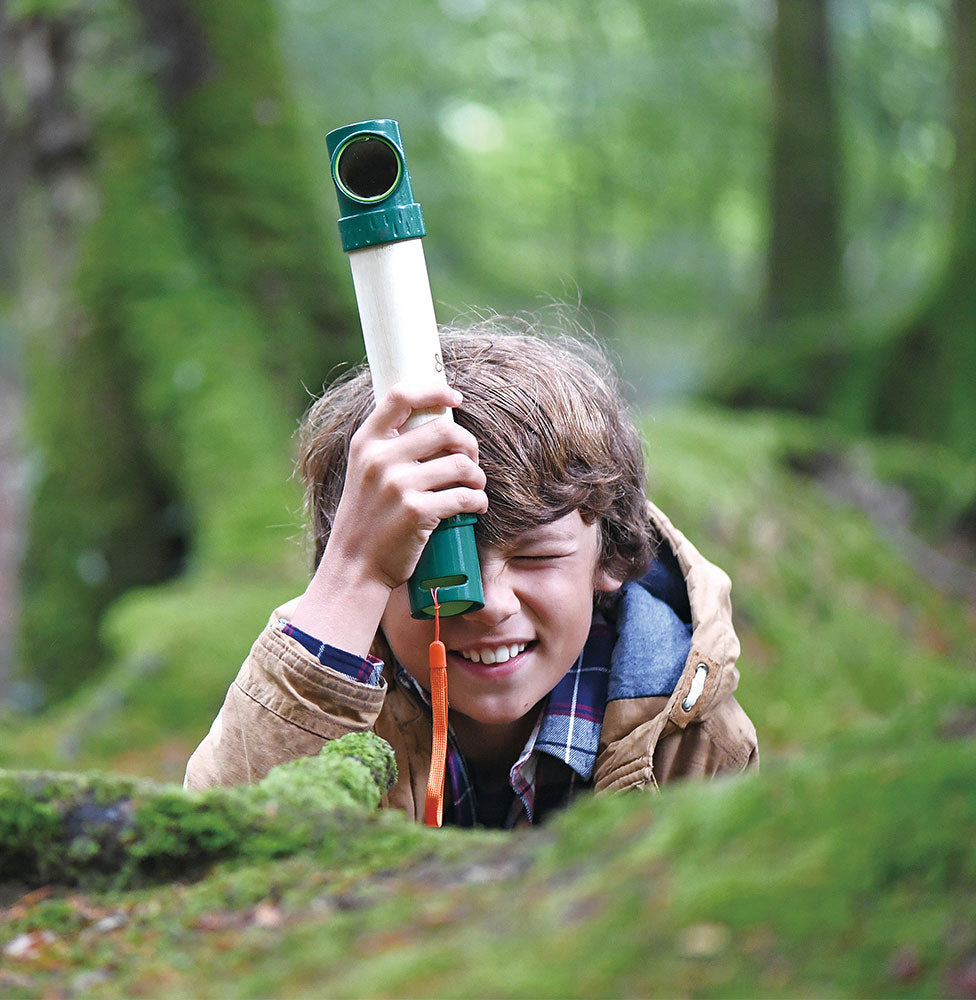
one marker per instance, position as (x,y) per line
(617,152)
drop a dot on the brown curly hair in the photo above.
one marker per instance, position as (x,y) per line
(554,435)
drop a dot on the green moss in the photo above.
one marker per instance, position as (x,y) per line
(835,625)
(352,772)
(247,178)
(86,828)
(166,388)
(844,867)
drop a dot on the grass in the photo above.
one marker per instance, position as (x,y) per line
(845,867)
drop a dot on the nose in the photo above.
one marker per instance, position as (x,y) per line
(501,600)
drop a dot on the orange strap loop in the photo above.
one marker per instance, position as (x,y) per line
(434,804)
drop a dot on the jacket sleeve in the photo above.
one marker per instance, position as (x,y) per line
(723,743)
(284,704)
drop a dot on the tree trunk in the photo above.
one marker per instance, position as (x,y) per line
(245,180)
(11,400)
(804,247)
(927,380)
(11,169)
(175,303)
(93,529)
(795,352)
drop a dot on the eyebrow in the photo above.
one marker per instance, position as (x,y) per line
(541,535)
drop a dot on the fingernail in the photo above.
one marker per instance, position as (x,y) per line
(458,398)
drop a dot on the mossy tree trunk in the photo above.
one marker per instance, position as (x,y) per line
(11,168)
(926,381)
(792,353)
(11,404)
(176,298)
(804,247)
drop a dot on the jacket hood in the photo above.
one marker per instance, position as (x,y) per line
(675,631)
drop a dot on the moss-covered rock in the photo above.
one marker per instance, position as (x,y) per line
(93,828)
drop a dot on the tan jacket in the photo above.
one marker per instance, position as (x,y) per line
(285,704)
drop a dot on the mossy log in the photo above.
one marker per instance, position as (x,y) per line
(92,828)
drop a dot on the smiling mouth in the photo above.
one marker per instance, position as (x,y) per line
(494,654)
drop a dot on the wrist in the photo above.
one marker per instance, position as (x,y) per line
(342,605)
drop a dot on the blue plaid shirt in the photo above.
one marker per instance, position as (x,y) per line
(558,757)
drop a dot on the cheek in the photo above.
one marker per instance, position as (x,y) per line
(565,617)
(578,632)
(397,625)
(407,637)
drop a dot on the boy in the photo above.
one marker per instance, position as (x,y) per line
(604,656)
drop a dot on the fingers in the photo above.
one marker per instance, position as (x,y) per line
(417,442)
(442,475)
(435,455)
(438,456)
(431,490)
(459,500)
(401,480)
(437,437)
(394,408)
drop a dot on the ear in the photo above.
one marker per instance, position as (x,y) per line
(606,583)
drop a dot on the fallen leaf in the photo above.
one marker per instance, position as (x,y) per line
(28,945)
(704,940)
(905,964)
(267,915)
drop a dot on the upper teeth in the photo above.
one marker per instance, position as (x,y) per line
(498,655)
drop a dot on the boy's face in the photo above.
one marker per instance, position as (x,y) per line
(505,658)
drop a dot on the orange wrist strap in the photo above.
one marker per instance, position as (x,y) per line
(434,804)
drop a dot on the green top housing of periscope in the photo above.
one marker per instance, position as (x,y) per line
(369,169)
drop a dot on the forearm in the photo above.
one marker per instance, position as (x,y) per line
(286,702)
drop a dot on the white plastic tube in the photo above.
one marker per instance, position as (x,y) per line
(397,316)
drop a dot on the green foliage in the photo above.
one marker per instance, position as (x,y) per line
(898,147)
(546,150)
(619,152)
(174,649)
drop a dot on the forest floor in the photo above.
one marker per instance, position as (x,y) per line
(845,867)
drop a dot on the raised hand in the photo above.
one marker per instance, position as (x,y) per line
(402,478)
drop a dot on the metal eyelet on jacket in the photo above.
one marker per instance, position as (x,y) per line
(697,686)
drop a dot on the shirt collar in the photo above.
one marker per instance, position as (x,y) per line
(568,728)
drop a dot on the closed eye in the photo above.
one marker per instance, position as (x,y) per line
(536,557)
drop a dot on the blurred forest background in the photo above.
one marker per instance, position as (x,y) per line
(767,206)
